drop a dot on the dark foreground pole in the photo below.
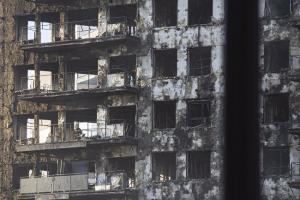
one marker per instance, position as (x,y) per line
(241,107)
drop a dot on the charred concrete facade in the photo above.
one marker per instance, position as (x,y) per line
(112,99)
(279,99)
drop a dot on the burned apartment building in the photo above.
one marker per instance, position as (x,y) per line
(279,66)
(111,99)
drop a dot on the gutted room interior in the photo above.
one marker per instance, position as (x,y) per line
(165,62)
(165,13)
(199,61)
(277,8)
(200,11)
(276,56)
(276,108)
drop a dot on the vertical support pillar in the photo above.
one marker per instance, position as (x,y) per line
(64,28)
(63,130)
(101,121)
(62,73)
(37,73)
(102,72)
(102,18)
(38,28)
(36,126)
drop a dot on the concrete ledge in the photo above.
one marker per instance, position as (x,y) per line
(77,44)
(50,146)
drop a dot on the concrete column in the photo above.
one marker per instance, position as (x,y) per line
(62,73)
(63,133)
(101,120)
(63,29)
(181,163)
(38,28)
(102,72)
(182,14)
(102,18)
(37,73)
(36,126)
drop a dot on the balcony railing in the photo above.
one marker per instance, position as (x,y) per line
(76,131)
(77,30)
(93,182)
(75,81)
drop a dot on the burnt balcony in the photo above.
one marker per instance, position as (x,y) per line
(75,135)
(81,34)
(78,186)
(75,86)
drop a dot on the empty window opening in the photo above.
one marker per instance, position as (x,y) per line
(276,108)
(165,62)
(122,70)
(122,120)
(276,160)
(82,166)
(198,163)
(49,28)
(82,74)
(165,13)
(21,171)
(199,61)
(81,124)
(198,112)
(123,164)
(83,24)
(45,169)
(276,55)
(164,166)
(200,11)
(164,114)
(124,14)
(277,8)
(26,79)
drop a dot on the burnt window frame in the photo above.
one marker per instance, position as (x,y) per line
(154,120)
(266,119)
(189,154)
(173,165)
(154,15)
(201,23)
(156,71)
(189,52)
(282,169)
(197,101)
(268,46)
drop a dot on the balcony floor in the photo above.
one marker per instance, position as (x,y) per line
(68,45)
(84,94)
(89,143)
(90,194)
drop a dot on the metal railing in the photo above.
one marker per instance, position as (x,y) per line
(90,181)
(77,30)
(76,131)
(72,81)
